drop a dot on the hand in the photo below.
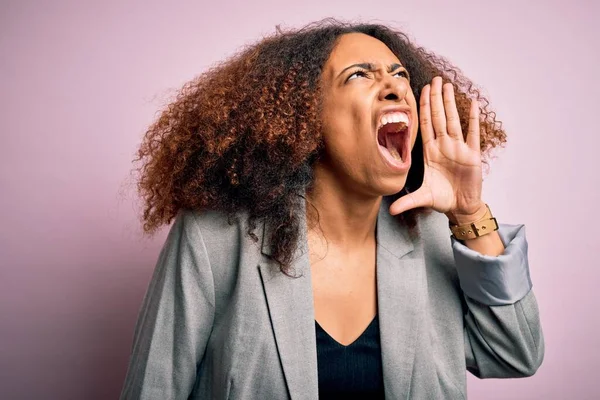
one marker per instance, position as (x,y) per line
(453,179)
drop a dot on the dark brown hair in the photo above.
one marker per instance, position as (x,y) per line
(244,135)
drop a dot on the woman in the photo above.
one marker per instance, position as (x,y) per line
(313,178)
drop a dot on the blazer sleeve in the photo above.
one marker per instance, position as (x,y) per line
(175,319)
(503,336)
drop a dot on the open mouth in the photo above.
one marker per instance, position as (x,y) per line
(393,142)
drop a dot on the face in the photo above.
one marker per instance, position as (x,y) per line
(369,116)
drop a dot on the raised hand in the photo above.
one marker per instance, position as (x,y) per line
(453,178)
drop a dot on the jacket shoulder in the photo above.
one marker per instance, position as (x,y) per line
(224,238)
(215,226)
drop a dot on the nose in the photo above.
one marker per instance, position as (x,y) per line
(393,89)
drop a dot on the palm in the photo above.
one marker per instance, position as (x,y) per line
(452,178)
(451,173)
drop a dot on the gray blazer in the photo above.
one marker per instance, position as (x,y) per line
(219,321)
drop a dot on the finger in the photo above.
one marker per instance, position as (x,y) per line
(420,198)
(473,132)
(425,115)
(438,116)
(452,118)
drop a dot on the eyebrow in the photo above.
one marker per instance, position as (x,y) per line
(371,67)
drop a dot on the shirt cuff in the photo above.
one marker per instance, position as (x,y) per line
(500,280)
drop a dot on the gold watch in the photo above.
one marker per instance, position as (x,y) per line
(485,225)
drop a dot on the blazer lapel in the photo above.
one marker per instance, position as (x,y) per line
(400,293)
(290,303)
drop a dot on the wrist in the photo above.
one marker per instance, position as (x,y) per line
(473,225)
(461,218)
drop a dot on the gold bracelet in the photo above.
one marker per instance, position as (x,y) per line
(487,224)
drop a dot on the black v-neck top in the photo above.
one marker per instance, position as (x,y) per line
(353,371)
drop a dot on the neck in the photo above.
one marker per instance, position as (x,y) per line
(345,217)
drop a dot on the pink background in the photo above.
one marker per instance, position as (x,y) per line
(79,83)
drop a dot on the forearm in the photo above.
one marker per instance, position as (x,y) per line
(503,335)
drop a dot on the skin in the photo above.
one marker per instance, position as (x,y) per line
(352,177)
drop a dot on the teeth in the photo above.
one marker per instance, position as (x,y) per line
(389,118)
(394,117)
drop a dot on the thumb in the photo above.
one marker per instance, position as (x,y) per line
(419,198)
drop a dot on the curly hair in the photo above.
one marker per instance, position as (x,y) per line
(244,135)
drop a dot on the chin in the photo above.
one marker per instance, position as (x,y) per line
(392,185)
